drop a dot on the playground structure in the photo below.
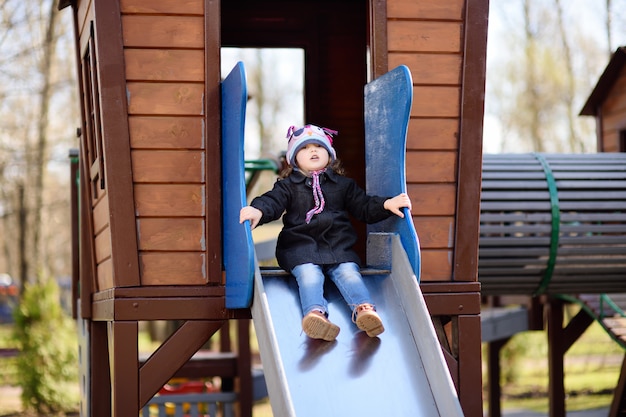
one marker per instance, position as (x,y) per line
(150,222)
(553,232)
(148,244)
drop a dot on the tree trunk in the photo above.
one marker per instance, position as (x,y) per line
(41,150)
(574,142)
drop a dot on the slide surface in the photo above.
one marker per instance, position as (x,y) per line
(400,373)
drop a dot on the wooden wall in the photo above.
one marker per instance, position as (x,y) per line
(432,38)
(612,118)
(161,105)
(151,128)
(164,66)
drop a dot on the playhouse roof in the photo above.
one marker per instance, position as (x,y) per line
(64,3)
(605,82)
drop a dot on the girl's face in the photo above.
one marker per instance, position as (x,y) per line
(312,157)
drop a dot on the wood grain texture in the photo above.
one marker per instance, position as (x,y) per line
(433,199)
(169,200)
(165,98)
(164,64)
(426,9)
(166,132)
(169,7)
(171,234)
(172,268)
(433,134)
(168,166)
(433,167)
(151,31)
(424,36)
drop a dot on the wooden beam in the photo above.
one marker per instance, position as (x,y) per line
(465,266)
(172,355)
(123,337)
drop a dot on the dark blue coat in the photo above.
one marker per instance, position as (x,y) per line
(329,237)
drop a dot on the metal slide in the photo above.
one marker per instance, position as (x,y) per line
(400,373)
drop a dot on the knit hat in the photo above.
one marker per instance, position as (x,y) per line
(301,136)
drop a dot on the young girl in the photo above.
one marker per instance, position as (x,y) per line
(317,236)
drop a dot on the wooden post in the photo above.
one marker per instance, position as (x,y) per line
(556,351)
(493,369)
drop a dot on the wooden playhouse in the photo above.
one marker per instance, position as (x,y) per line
(150,230)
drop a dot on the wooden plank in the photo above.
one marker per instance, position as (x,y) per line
(169,234)
(168,166)
(151,6)
(426,9)
(515,195)
(169,200)
(595,228)
(436,265)
(212,135)
(168,132)
(488,217)
(164,64)
(515,231)
(161,309)
(433,134)
(104,272)
(165,99)
(173,354)
(439,69)
(431,166)
(512,206)
(173,268)
(499,175)
(528,242)
(100,215)
(435,232)
(103,246)
(432,199)
(577,185)
(437,101)
(159,292)
(163,31)
(424,36)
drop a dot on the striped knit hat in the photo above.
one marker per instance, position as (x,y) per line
(299,137)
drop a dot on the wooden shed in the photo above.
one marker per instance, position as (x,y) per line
(150,241)
(607,103)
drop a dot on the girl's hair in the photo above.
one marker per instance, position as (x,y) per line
(335,166)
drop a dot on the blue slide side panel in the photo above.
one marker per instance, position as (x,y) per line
(237,245)
(388,102)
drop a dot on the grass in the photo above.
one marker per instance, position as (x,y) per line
(592,368)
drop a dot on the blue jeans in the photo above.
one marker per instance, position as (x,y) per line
(346,276)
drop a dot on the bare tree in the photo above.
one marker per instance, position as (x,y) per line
(532,95)
(36,78)
(40,152)
(548,59)
(569,90)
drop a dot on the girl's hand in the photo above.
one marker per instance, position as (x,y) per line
(396,203)
(252,214)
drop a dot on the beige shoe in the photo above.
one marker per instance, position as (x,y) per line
(368,320)
(317,326)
